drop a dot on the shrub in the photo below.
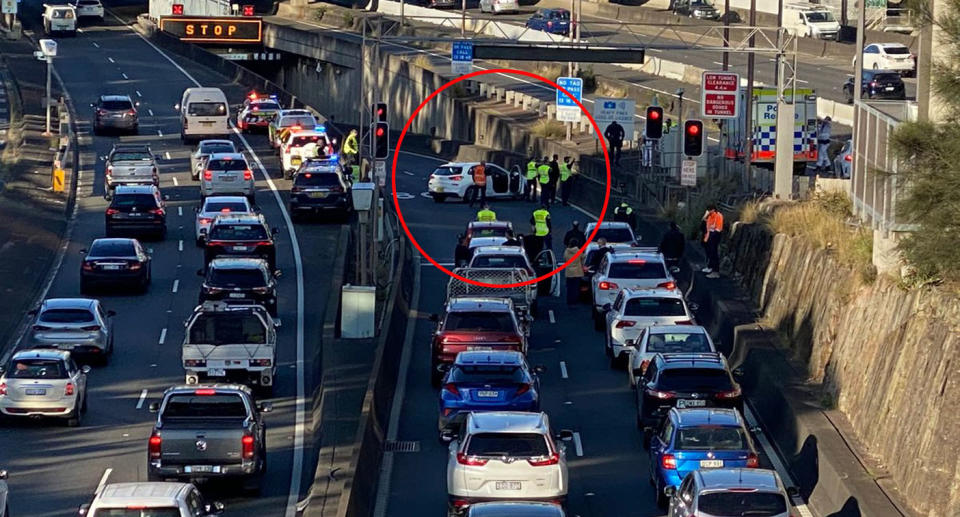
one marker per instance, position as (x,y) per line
(548,128)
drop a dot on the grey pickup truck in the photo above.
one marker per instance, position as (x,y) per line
(208,431)
(131,164)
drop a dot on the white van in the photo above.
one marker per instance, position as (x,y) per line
(204,113)
(813,21)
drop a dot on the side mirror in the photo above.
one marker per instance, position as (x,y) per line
(111,314)
(539,368)
(434,318)
(86,369)
(2,370)
(756,429)
(154,407)
(276,323)
(448,435)
(738,373)
(265,407)
(277,273)
(444,367)
(606,307)
(565,435)
(106,196)
(166,197)
(200,272)
(693,307)
(83,509)
(3,474)
(670,491)
(214,508)
(792,491)
(631,343)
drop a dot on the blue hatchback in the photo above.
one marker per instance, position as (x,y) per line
(487,381)
(691,439)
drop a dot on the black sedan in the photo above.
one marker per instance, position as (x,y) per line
(240,280)
(116,262)
(877,84)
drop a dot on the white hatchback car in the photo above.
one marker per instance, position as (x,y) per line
(89,9)
(214,206)
(454,179)
(150,498)
(635,310)
(888,56)
(499,6)
(505,455)
(44,382)
(627,268)
(227,174)
(666,339)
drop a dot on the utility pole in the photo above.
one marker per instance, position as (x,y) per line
(748,123)
(49,100)
(726,34)
(679,147)
(463,19)
(777,63)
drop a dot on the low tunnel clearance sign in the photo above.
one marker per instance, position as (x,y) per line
(720,95)
(214,30)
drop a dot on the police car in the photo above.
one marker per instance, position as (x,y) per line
(300,146)
(257,112)
(289,120)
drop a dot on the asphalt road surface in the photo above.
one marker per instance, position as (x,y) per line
(53,469)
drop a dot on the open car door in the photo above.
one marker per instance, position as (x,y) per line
(546,262)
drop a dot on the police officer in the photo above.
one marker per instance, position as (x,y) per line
(531,191)
(566,179)
(485,215)
(543,173)
(554,177)
(351,148)
(542,225)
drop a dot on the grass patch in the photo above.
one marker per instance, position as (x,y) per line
(319,13)
(423,61)
(552,72)
(589,79)
(548,128)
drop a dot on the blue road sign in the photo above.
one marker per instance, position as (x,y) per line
(574,85)
(462,51)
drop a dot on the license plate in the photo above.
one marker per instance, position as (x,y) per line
(439,189)
(63,346)
(237,295)
(479,348)
(711,464)
(36,391)
(227,179)
(507,485)
(217,372)
(488,394)
(191,469)
(111,267)
(206,123)
(318,194)
(296,160)
(889,88)
(241,248)
(685,403)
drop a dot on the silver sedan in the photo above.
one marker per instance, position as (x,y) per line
(79,325)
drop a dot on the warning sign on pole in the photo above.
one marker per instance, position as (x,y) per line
(688,173)
(720,95)
(58,177)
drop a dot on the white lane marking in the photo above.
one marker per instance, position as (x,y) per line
(552,318)
(577,444)
(166,155)
(143,396)
(180,245)
(175,184)
(801,81)
(163,335)
(778,465)
(124,75)
(159,133)
(110,59)
(103,480)
(150,111)
(718,63)
(563,370)
(176,285)
(139,94)
(95,44)
(408,173)
(180,210)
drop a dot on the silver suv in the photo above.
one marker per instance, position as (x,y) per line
(227,174)
(718,492)
(166,499)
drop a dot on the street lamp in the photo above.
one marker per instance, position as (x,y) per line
(48,51)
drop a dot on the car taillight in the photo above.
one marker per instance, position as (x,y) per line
(109,170)
(154,445)
(667,285)
(668,461)
(683,322)
(68,390)
(463,459)
(623,324)
(247,175)
(208,175)
(452,389)
(848,158)
(263,243)
(247,443)
(132,112)
(112,211)
(3,389)
(205,392)
(101,112)
(752,461)
(336,189)
(732,394)
(552,459)
(294,190)
(643,365)
(549,24)
(456,178)
(87,266)
(523,389)
(195,363)
(134,266)
(607,286)
(157,211)
(260,362)
(185,124)
(205,220)
(873,84)
(287,149)
(662,395)
(261,290)
(91,328)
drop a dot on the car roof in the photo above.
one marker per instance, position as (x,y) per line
(114,240)
(473,303)
(68,303)
(626,254)
(611,224)
(317,131)
(489,241)
(225,199)
(234,218)
(498,250)
(225,386)
(237,263)
(41,353)
(489,357)
(213,306)
(134,189)
(295,111)
(892,45)
(131,147)
(464,164)
(115,97)
(707,360)
(515,509)
(217,141)
(682,329)
(707,416)
(714,479)
(653,293)
(143,493)
(226,156)
(489,224)
(507,422)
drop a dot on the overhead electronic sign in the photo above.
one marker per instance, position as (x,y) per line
(214,29)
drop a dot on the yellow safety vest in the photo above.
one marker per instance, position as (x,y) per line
(544,171)
(350,146)
(564,172)
(486,216)
(531,170)
(540,222)
(355,171)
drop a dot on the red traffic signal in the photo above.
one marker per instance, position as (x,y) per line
(654,128)
(248,10)
(380,112)
(693,129)
(693,137)
(381,141)
(177,9)
(380,131)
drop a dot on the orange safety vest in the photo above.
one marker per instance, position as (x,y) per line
(479,176)
(714,224)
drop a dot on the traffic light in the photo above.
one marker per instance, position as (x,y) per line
(693,137)
(381,141)
(380,112)
(248,10)
(177,9)
(654,122)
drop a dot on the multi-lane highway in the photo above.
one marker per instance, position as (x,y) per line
(54,468)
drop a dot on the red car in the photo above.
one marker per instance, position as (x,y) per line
(475,323)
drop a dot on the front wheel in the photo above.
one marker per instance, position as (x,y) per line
(438,198)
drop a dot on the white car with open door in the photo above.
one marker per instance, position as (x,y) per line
(455,179)
(637,309)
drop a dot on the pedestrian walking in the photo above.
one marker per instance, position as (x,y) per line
(823,145)
(672,246)
(461,255)
(542,225)
(615,135)
(543,176)
(486,215)
(646,150)
(568,175)
(530,192)
(573,271)
(479,189)
(554,178)
(574,233)
(711,240)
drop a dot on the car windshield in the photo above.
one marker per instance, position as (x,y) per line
(302,140)
(136,512)
(637,270)
(266,106)
(739,504)
(66,316)
(699,379)
(499,261)
(313,179)
(654,307)
(36,368)
(89,2)
(887,77)
(508,444)
(225,207)
(219,147)
(238,232)
(487,373)
(131,156)
(131,200)
(304,121)
(711,438)
(701,4)
(677,343)
(447,171)
(227,328)
(215,406)
(237,278)
(479,321)
(116,105)
(613,235)
(227,165)
(489,232)
(560,15)
(820,16)
(899,51)
(112,249)
(207,109)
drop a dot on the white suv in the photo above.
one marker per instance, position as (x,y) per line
(167,499)
(615,232)
(505,455)
(300,146)
(665,339)
(636,309)
(44,382)
(628,268)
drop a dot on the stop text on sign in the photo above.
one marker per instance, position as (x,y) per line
(720,95)
(212,29)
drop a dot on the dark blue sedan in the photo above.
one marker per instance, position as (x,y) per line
(487,381)
(554,21)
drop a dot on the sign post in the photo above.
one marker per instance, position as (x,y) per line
(607,110)
(8,6)
(567,109)
(688,173)
(719,95)
(461,62)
